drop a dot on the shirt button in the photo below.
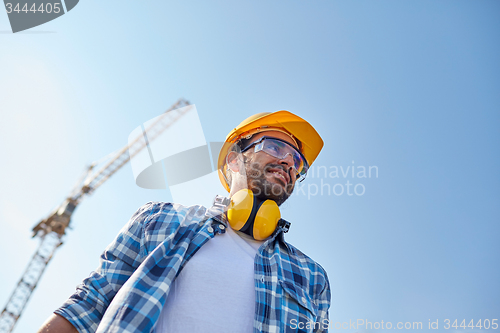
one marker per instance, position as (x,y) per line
(260,327)
(210,229)
(303,299)
(262,279)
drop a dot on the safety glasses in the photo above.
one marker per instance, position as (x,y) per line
(280,149)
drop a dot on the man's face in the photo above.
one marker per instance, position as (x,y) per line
(269,177)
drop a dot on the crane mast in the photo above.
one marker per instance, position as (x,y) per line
(52,229)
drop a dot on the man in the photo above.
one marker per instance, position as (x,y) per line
(224,269)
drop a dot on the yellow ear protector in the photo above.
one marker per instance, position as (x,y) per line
(256,218)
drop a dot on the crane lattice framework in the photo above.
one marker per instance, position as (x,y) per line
(52,229)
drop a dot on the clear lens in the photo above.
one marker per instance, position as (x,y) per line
(280,149)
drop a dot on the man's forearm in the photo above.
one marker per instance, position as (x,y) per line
(57,324)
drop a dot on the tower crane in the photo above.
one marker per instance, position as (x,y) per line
(52,229)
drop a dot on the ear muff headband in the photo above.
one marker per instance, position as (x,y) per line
(258,219)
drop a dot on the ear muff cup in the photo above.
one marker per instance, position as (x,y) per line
(266,220)
(251,216)
(240,209)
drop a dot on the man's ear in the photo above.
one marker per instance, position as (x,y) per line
(234,161)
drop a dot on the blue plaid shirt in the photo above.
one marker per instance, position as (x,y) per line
(128,290)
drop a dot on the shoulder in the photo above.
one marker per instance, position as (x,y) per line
(166,212)
(158,221)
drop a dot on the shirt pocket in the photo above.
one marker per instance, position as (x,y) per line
(300,310)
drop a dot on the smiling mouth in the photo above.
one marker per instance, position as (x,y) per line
(280,176)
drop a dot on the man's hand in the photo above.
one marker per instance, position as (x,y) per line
(57,324)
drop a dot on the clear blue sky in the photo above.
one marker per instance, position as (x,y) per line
(411,87)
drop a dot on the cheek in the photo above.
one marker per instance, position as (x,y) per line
(258,163)
(254,170)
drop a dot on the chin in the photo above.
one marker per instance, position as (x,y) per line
(272,191)
(267,186)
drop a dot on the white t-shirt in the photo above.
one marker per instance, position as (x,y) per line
(215,291)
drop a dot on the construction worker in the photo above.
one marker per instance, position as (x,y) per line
(223,269)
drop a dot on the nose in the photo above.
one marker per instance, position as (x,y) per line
(288,161)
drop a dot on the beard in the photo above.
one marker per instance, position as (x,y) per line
(262,188)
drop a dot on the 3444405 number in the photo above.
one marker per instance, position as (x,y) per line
(42,8)
(481,324)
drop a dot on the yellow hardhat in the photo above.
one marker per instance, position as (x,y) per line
(301,130)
